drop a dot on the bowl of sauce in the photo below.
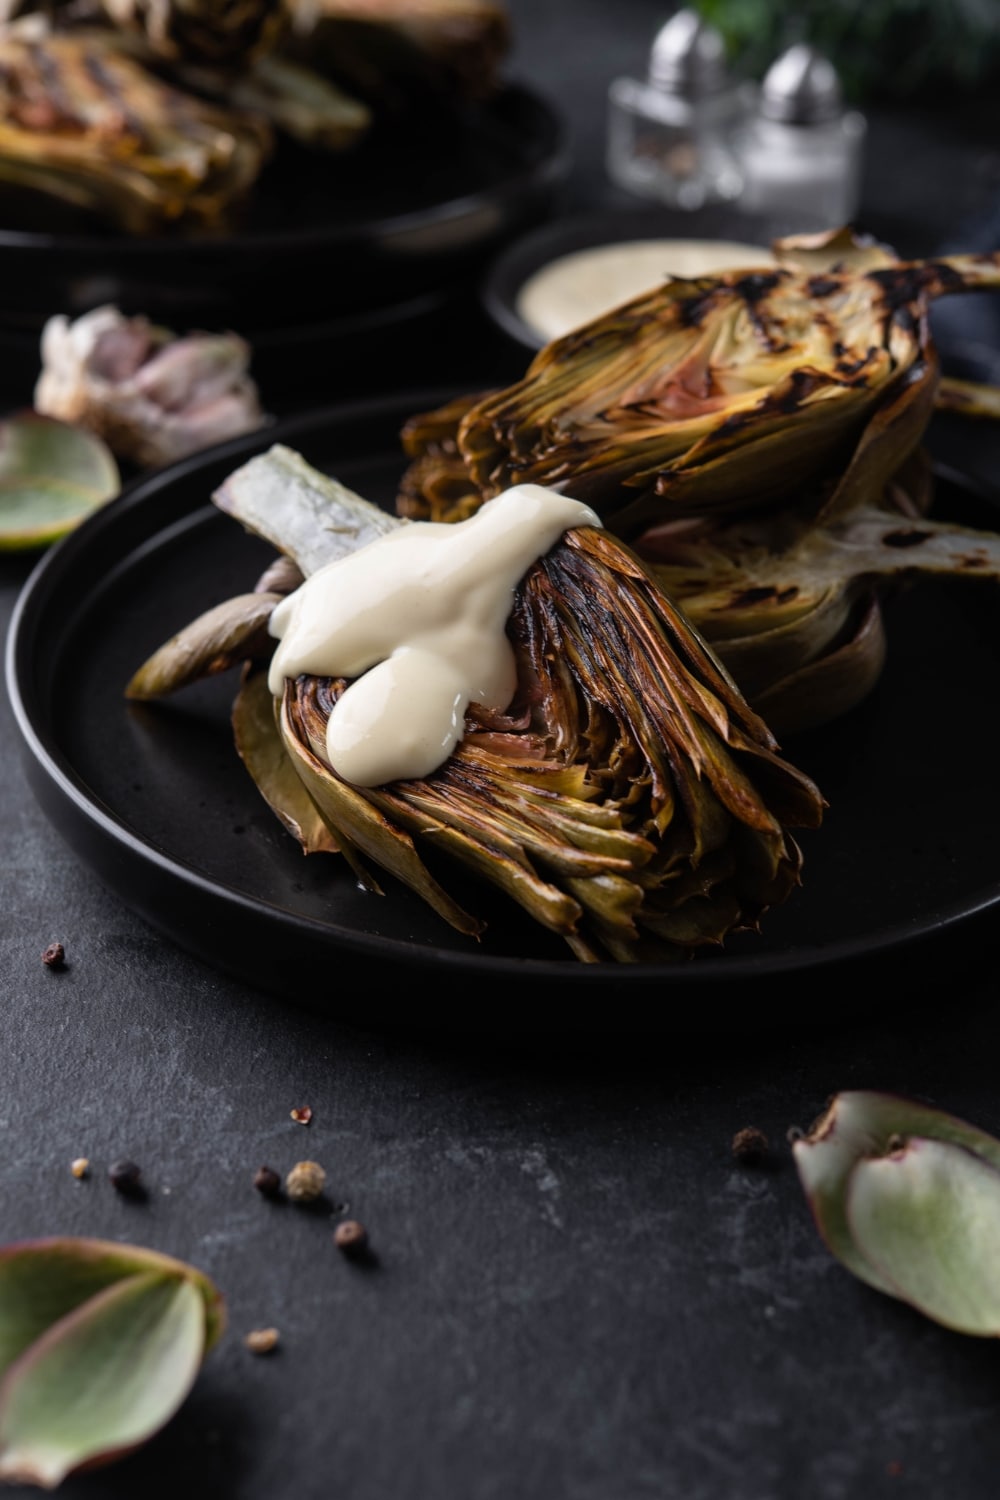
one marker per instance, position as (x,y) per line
(564,274)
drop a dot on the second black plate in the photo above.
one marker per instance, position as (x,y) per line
(326,236)
(899,883)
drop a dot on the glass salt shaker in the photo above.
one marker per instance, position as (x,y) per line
(800,150)
(669,136)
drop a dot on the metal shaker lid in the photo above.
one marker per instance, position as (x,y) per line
(801,87)
(688,56)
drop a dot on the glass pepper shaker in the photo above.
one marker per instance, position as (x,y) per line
(800,150)
(669,135)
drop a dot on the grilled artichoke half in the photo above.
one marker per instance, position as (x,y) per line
(794,400)
(628,798)
(82,122)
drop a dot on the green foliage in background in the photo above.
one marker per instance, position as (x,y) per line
(898,50)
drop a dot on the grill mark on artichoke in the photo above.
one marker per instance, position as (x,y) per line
(760,594)
(105,80)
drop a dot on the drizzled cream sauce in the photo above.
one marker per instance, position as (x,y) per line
(417,619)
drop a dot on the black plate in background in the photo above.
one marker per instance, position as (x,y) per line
(900,883)
(329,238)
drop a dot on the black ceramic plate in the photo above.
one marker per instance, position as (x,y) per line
(903,873)
(326,235)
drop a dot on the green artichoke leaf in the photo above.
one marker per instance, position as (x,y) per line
(261,749)
(231,632)
(865,1126)
(100,1343)
(927,1215)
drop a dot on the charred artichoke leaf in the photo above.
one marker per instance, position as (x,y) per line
(260,747)
(217,640)
(305,514)
(358,826)
(822,689)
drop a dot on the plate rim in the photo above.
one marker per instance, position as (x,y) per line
(52,777)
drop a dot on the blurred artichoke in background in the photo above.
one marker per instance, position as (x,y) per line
(390,51)
(793,401)
(82,122)
(157,114)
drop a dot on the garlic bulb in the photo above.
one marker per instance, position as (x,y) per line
(152,395)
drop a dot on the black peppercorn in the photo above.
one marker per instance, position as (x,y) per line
(750,1145)
(126,1178)
(351,1237)
(267,1181)
(53,957)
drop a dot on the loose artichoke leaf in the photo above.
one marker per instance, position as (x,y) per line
(218,639)
(52,475)
(349,814)
(43,1280)
(860,1124)
(892,434)
(260,747)
(308,516)
(834,683)
(928,1216)
(101,1380)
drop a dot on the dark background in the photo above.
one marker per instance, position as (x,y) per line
(578,1292)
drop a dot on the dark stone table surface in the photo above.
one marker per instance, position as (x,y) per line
(577,1293)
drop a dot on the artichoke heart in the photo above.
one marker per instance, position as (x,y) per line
(627,798)
(83,123)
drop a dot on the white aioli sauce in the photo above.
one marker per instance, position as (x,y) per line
(575,288)
(418,619)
